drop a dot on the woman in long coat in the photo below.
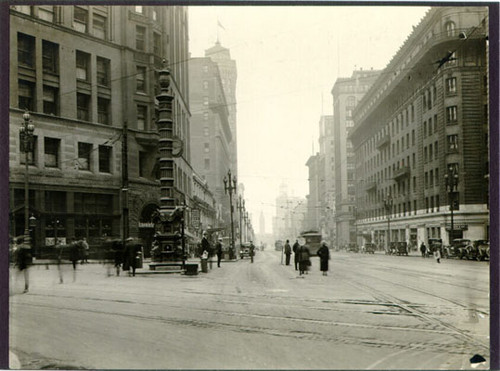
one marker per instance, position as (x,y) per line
(324,256)
(304,259)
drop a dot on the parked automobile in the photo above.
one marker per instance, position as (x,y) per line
(458,247)
(352,247)
(368,248)
(402,248)
(478,250)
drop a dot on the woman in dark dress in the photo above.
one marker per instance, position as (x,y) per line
(304,259)
(324,256)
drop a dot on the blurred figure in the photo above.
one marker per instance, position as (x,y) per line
(132,256)
(74,255)
(85,250)
(118,258)
(23,261)
(423,250)
(252,251)
(218,251)
(304,259)
(324,256)
(437,254)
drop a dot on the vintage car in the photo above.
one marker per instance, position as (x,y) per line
(352,247)
(402,248)
(478,250)
(244,251)
(368,248)
(458,247)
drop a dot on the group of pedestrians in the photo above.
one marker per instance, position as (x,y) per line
(302,257)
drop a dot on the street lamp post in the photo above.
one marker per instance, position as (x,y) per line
(241,209)
(230,187)
(355,212)
(388,208)
(245,217)
(27,129)
(451,181)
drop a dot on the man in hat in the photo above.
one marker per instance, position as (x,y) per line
(218,251)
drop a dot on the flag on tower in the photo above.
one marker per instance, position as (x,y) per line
(220,25)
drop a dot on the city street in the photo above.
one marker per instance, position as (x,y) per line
(370,312)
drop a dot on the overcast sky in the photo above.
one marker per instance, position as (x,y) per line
(288,59)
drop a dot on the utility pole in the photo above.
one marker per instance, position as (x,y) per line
(124,189)
(230,187)
(241,209)
(388,208)
(451,180)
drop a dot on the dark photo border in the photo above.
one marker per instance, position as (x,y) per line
(494,145)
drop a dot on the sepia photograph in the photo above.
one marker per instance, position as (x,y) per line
(241,186)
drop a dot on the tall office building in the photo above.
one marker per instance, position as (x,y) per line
(211,134)
(228,74)
(421,135)
(346,93)
(87,76)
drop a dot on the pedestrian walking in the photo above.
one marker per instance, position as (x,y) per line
(295,253)
(74,255)
(437,254)
(218,251)
(252,251)
(23,261)
(74,252)
(59,263)
(304,259)
(205,244)
(423,250)
(85,250)
(288,252)
(324,256)
(132,256)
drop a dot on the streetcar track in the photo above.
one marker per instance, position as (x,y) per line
(459,348)
(429,319)
(455,302)
(419,274)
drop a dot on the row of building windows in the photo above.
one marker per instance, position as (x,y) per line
(96,19)
(397,124)
(52,155)
(432,205)
(51,98)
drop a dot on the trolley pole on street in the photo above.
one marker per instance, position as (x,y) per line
(388,208)
(451,181)
(230,187)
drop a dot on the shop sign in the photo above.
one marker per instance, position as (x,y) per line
(195,218)
(457,227)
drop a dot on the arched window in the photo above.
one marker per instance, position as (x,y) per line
(450,28)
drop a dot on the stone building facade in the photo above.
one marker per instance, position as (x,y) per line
(87,75)
(424,122)
(346,94)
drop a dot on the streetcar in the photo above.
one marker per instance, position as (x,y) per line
(312,241)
